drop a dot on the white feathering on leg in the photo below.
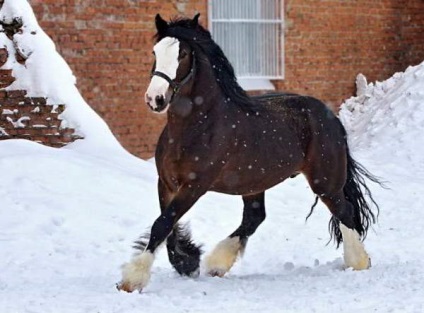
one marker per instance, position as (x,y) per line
(223,257)
(136,274)
(354,255)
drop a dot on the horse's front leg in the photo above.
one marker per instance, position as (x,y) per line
(226,252)
(136,273)
(183,253)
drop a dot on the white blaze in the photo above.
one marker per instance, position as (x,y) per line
(166,52)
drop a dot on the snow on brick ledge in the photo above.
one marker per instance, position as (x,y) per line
(23,117)
(28,118)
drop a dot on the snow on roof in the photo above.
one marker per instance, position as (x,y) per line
(46,74)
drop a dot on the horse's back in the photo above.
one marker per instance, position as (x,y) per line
(287,100)
(316,113)
(320,131)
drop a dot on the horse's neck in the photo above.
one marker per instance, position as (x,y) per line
(205,103)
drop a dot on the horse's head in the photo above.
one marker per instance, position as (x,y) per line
(173,70)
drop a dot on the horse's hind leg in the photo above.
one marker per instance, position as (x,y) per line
(331,175)
(226,252)
(345,225)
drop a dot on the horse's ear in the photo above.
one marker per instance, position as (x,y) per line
(161,24)
(195,20)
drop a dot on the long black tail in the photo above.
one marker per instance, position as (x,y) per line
(356,192)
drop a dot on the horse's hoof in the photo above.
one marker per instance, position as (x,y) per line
(125,286)
(189,269)
(217,273)
(223,257)
(195,273)
(360,265)
(136,274)
(364,264)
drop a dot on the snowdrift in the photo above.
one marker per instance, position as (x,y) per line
(387,118)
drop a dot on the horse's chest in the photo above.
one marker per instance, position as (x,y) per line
(179,167)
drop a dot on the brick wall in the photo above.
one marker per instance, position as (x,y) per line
(329,42)
(412,33)
(108,45)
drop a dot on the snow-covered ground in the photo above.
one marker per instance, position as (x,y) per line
(68,218)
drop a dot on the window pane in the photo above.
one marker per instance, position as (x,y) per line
(250,34)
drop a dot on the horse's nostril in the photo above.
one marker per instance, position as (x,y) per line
(159,101)
(147,98)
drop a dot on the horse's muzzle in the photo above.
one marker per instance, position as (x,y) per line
(158,104)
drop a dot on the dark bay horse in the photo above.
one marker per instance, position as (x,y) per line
(217,138)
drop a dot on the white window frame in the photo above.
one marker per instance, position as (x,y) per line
(257,82)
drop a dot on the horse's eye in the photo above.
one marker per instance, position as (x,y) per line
(183,54)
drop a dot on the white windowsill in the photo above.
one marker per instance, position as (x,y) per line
(255,84)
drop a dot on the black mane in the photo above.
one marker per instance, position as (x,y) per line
(200,39)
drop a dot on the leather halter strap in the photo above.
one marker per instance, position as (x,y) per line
(176,86)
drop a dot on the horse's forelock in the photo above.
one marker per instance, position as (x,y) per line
(185,33)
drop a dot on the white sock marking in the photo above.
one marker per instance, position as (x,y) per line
(136,274)
(354,255)
(223,257)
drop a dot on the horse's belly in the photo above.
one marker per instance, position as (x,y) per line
(250,180)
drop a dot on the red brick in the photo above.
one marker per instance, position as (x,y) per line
(3,56)
(42,125)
